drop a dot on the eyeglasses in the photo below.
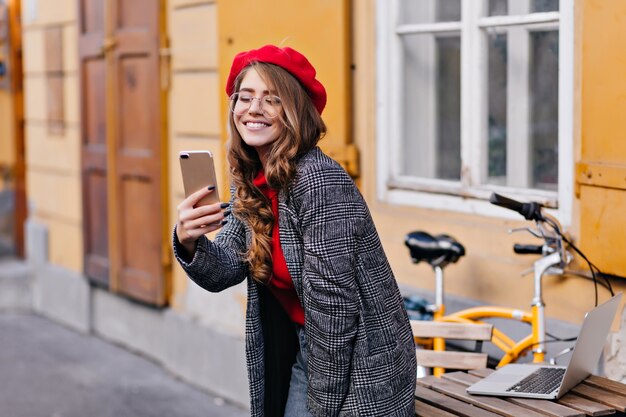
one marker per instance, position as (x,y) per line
(240,103)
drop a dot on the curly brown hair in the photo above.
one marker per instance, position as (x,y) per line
(302,128)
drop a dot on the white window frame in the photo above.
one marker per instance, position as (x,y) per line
(464,196)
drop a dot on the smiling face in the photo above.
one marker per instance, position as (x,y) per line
(255,128)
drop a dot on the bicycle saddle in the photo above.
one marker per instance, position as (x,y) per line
(439,250)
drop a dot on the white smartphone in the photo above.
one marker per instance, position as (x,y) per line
(198,172)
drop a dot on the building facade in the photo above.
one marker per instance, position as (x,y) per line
(432,106)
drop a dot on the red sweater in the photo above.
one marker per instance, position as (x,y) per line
(281,284)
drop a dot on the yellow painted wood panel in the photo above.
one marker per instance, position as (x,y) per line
(70,48)
(601,175)
(600,170)
(179,288)
(53,48)
(55,195)
(194,105)
(319,29)
(364,92)
(180,281)
(46,12)
(71,99)
(7,141)
(194,115)
(193,35)
(33,51)
(487,243)
(35,98)
(58,153)
(603,88)
(65,243)
(602,232)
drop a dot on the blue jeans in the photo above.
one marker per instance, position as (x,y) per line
(296,401)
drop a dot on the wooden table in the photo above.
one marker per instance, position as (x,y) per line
(446,396)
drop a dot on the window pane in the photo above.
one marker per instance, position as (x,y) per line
(429,11)
(498,7)
(518,7)
(430,111)
(545,6)
(448,10)
(449,108)
(497,85)
(544,109)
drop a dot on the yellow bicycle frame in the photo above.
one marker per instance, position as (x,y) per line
(512,349)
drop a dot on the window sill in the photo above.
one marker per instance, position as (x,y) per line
(452,196)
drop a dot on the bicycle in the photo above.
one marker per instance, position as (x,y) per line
(442,250)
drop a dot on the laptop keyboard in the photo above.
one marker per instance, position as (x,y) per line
(542,381)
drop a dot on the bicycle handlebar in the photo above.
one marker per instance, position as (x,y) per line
(530,211)
(527,249)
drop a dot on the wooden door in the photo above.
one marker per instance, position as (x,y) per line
(139,208)
(122,141)
(91,49)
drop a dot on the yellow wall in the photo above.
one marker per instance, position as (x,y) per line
(204,37)
(601,168)
(490,272)
(321,31)
(7,142)
(53,160)
(194,107)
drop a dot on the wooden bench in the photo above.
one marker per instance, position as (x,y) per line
(446,397)
(457,331)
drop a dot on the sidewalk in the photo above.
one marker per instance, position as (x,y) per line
(47,370)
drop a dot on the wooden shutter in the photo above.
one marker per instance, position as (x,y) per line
(601,170)
(321,30)
(122,142)
(139,208)
(91,27)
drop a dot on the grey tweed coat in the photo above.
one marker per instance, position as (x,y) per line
(361,359)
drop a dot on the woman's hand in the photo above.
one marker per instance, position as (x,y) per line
(194,222)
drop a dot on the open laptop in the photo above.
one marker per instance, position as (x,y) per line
(551,382)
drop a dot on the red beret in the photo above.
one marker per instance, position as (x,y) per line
(288,59)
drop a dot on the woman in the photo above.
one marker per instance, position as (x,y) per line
(326,331)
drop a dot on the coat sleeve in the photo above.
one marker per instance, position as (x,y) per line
(217,264)
(331,220)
